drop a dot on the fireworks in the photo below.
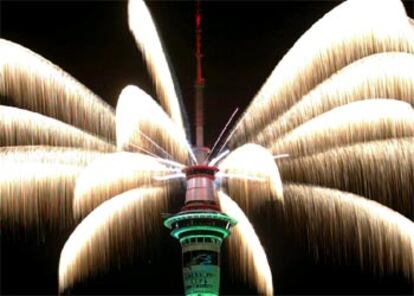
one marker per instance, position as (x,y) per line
(142,123)
(119,228)
(146,36)
(113,174)
(258,178)
(248,258)
(329,45)
(327,145)
(358,81)
(21,127)
(378,170)
(356,122)
(31,82)
(36,186)
(382,240)
(37,196)
(47,154)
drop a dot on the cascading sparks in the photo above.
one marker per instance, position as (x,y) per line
(357,122)
(48,155)
(21,127)
(379,238)
(128,223)
(36,186)
(358,81)
(329,45)
(378,170)
(113,174)
(37,196)
(246,254)
(253,177)
(142,124)
(145,33)
(52,92)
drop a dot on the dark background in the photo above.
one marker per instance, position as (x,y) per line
(242,42)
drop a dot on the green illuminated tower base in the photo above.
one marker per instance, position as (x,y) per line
(201,233)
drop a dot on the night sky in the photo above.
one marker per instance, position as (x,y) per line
(242,43)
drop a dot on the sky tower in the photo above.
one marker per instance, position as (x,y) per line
(200,226)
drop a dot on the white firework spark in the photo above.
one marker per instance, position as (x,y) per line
(358,81)
(247,257)
(21,127)
(127,224)
(329,45)
(113,174)
(382,239)
(357,122)
(52,92)
(143,28)
(252,163)
(381,170)
(142,122)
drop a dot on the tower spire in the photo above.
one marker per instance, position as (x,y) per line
(199,81)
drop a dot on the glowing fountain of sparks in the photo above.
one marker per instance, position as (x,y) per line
(326,144)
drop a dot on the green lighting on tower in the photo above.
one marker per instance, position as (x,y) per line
(200,234)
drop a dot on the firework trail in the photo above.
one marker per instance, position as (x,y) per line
(382,171)
(37,196)
(112,174)
(126,226)
(330,44)
(47,155)
(357,122)
(141,122)
(146,36)
(31,82)
(36,186)
(248,161)
(382,239)
(247,257)
(21,127)
(358,81)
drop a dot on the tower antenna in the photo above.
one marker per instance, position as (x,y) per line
(199,81)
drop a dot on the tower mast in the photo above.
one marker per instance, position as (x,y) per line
(199,81)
